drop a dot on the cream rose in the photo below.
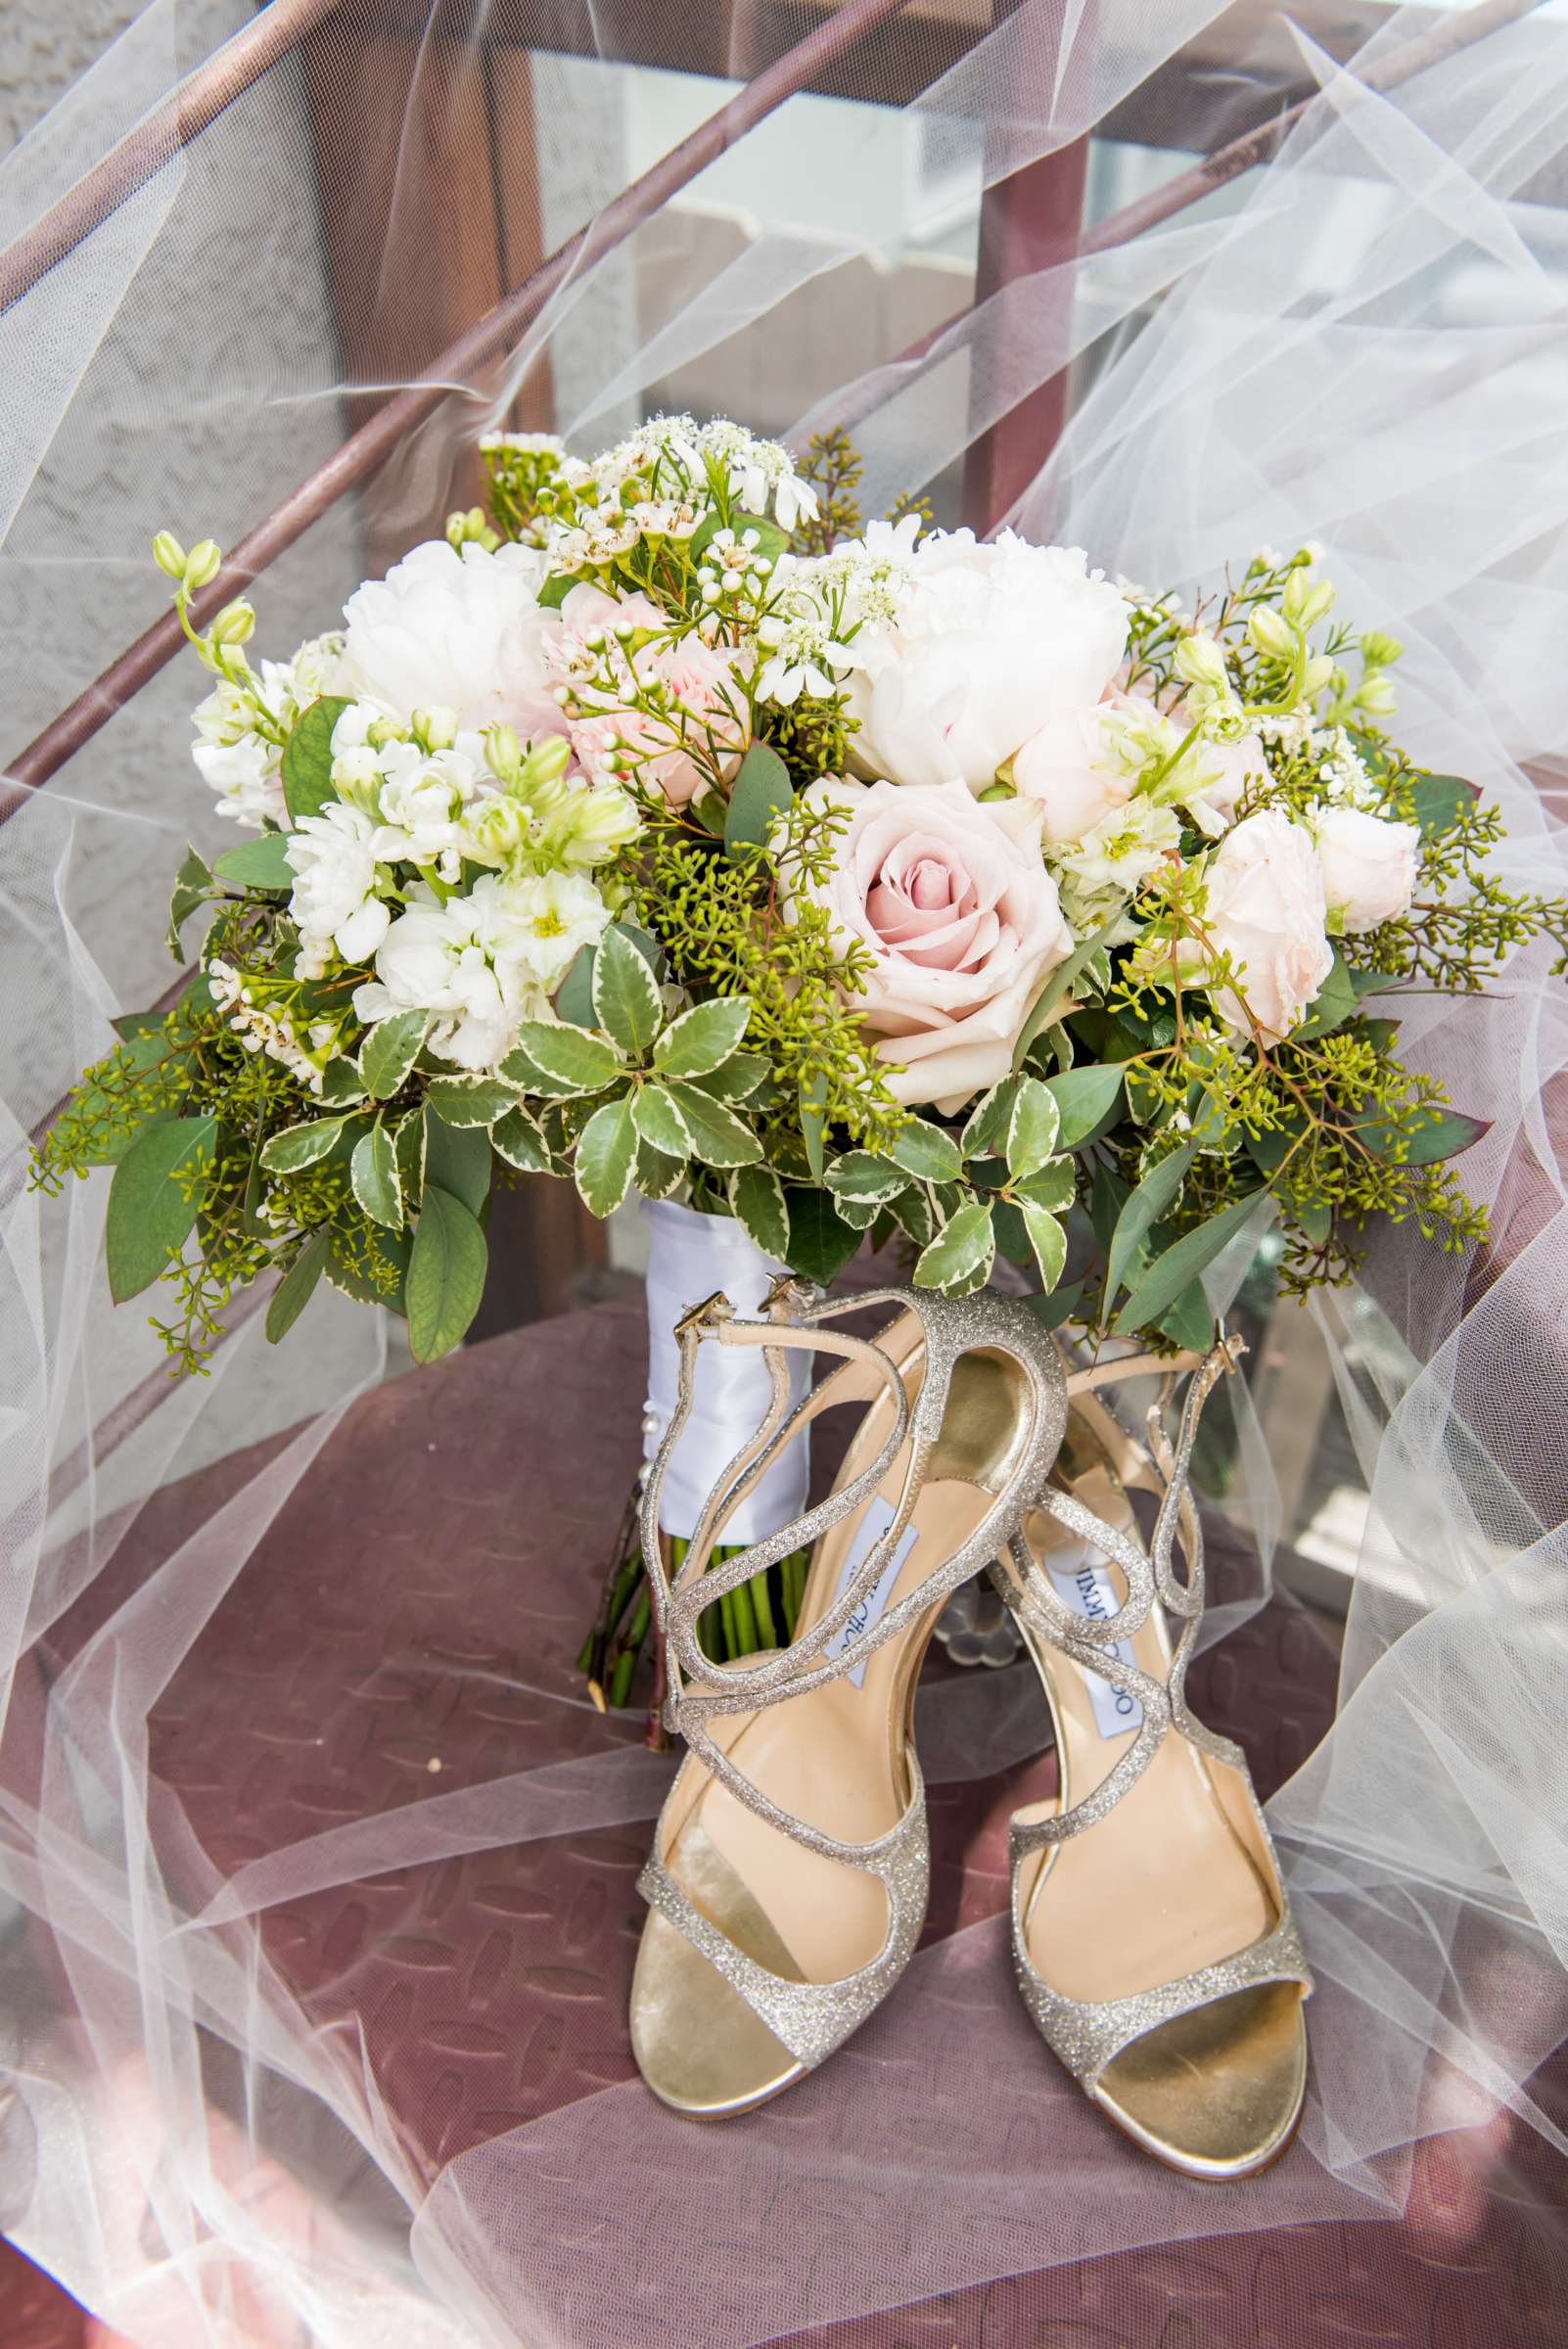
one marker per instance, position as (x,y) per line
(992,640)
(962,922)
(1266,910)
(1368,867)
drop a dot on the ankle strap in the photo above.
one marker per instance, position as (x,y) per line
(700,1688)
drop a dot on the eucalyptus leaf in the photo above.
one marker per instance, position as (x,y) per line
(1178,1266)
(153,1200)
(295,1290)
(703,1039)
(761,792)
(1087,1100)
(606,1153)
(1438,801)
(1159,1191)
(457,1160)
(756,1198)
(307,759)
(1058,1305)
(1058,987)
(961,1257)
(260,863)
(1333,1005)
(821,1243)
(574,997)
(1442,1133)
(447,1271)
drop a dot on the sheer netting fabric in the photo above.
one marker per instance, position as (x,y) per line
(1348,328)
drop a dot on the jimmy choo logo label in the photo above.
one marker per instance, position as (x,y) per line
(878,1515)
(1083,1584)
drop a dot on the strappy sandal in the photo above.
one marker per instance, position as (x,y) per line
(1153,1940)
(789,1874)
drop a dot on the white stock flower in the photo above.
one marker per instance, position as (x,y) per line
(243,765)
(458,629)
(1369,866)
(333,857)
(424,794)
(1265,908)
(1122,850)
(992,640)
(484,962)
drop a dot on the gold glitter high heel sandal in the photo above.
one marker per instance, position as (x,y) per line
(1153,1940)
(788,1873)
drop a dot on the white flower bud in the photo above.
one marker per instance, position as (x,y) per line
(170,555)
(436,727)
(1316,673)
(202,564)
(1200,662)
(1270,634)
(232,624)
(1307,600)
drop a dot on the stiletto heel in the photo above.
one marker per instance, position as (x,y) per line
(788,1873)
(1153,1939)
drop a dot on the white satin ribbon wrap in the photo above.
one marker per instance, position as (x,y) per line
(689,1257)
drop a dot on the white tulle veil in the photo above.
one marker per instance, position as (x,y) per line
(1359,340)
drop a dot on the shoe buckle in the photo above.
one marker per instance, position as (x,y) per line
(785,1297)
(704,1320)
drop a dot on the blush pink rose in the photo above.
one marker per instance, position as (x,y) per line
(1266,910)
(702,682)
(962,921)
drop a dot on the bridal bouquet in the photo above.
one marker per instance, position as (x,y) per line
(669,828)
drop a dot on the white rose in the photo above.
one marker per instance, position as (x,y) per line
(1266,910)
(1368,867)
(991,641)
(962,922)
(459,631)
